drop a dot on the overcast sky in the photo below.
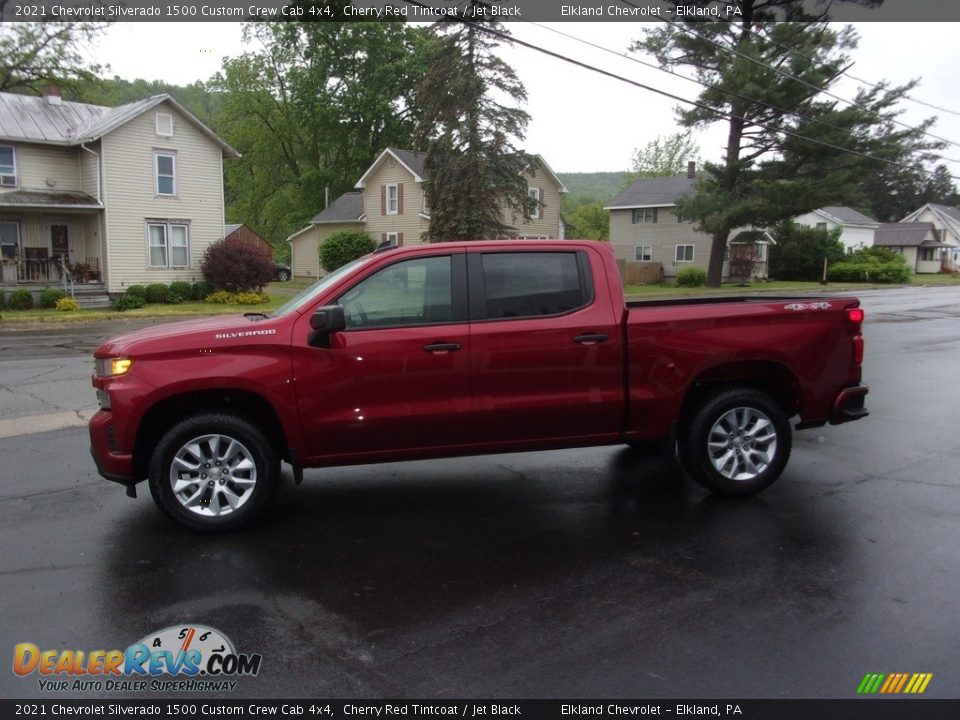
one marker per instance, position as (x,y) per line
(581,121)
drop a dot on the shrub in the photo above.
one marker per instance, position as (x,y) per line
(181,288)
(20,300)
(344,246)
(138,290)
(67,304)
(800,251)
(200,290)
(692,277)
(128,302)
(223,297)
(157,293)
(49,297)
(875,264)
(3,300)
(174,298)
(237,266)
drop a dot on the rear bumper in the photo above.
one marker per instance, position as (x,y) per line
(849,405)
(111,464)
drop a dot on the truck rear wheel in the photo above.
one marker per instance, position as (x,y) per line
(214,472)
(737,442)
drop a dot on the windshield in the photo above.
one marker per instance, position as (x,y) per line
(304,298)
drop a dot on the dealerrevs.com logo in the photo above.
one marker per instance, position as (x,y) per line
(177,658)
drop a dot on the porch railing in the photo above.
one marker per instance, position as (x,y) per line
(67,278)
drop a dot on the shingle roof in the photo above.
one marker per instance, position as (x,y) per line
(848,216)
(47,198)
(947,210)
(654,192)
(906,234)
(346,208)
(413,160)
(33,119)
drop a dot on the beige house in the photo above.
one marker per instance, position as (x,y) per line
(645,228)
(946,221)
(107,197)
(389,204)
(918,242)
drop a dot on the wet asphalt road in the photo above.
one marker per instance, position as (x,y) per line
(585,573)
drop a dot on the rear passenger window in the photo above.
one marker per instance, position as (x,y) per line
(532,284)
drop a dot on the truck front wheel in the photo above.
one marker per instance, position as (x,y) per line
(737,442)
(214,472)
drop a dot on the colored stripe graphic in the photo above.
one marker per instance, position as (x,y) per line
(894,683)
(870,683)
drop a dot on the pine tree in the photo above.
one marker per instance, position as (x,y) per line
(474,170)
(769,172)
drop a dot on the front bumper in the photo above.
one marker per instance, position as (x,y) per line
(111,464)
(849,405)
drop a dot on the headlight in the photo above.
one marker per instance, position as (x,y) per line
(112,367)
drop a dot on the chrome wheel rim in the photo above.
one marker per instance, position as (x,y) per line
(213,475)
(742,443)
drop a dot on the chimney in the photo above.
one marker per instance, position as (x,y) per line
(51,94)
(691,169)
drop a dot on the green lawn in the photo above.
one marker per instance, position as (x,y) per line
(36,317)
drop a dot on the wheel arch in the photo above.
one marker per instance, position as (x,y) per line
(243,403)
(768,376)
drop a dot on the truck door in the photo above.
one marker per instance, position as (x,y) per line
(397,379)
(546,351)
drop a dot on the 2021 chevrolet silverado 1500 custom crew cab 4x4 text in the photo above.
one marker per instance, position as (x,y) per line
(467,348)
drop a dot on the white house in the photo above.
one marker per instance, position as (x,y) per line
(857,229)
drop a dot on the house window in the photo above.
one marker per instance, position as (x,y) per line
(929,254)
(164,124)
(165,166)
(393,202)
(533,203)
(393,238)
(9,239)
(643,253)
(821,226)
(8,166)
(644,215)
(684,253)
(168,244)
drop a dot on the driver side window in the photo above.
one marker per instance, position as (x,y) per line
(411,292)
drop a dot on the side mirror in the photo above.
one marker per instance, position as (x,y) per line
(325,321)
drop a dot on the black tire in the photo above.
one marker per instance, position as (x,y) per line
(246,474)
(283,275)
(737,442)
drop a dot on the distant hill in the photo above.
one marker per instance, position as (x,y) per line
(117,91)
(591,187)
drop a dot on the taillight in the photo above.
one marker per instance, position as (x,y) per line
(855,315)
(858,349)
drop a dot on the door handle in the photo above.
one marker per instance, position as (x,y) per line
(441,348)
(590,339)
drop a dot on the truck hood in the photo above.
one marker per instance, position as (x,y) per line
(204,332)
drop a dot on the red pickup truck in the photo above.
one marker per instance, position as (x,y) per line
(467,348)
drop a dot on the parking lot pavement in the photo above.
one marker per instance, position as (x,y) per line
(582,573)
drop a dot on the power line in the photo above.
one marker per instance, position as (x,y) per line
(705,84)
(788,76)
(918,101)
(720,114)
